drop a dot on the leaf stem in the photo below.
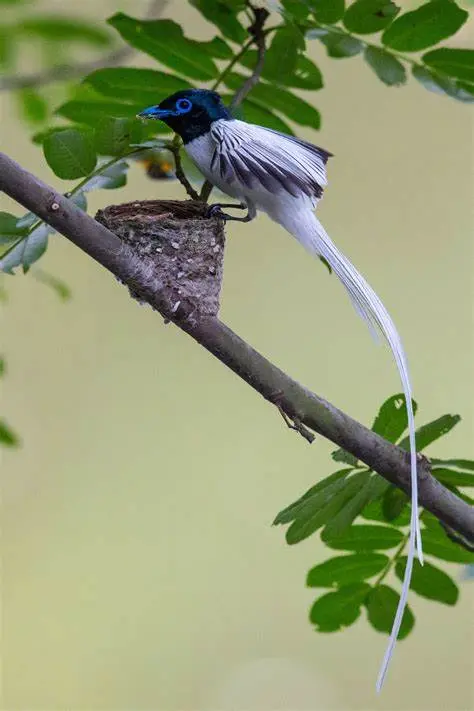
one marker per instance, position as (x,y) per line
(232,63)
(175,147)
(392,561)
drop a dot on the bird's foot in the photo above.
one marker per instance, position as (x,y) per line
(216,211)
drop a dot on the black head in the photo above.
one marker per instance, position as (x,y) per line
(189,113)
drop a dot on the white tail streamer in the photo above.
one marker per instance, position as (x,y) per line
(312,235)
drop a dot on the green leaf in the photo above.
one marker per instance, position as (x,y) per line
(374,512)
(34,107)
(90,112)
(426,434)
(319,510)
(217,48)
(290,512)
(339,45)
(429,520)
(364,538)
(79,199)
(456,463)
(436,542)
(327,11)
(164,40)
(27,250)
(424,27)
(57,285)
(335,610)
(295,9)
(35,246)
(282,54)
(139,86)
(70,153)
(370,488)
(340,455)
(392,420)
(452,477)
(112,136)
(224,17)
(7,46)
(346,569)
(55,28)
(382,604)
(367,16)
(2,367)
(9,229)
(254,113)
(8,438)
(386,66)
(442,84)
(26,221)
(278,99)
(457,63)
(457,537)
(328,267)
(430,582)
(306,74)
(393,503)
(465,497)
(115,176)
(39,137)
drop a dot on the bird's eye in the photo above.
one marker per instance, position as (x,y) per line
(183,106)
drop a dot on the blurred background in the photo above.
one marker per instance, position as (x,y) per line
(139,567)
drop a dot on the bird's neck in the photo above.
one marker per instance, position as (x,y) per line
(193,127)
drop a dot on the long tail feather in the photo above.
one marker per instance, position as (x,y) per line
(309,231)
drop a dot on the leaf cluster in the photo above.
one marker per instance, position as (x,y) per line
(371,551)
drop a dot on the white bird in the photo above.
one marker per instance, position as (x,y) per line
(284,176)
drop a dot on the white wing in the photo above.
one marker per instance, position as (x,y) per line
(260,158)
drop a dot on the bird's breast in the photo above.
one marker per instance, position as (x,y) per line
(201,151)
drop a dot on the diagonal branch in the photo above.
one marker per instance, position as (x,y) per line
(296,401)
(256,31)
(65,72)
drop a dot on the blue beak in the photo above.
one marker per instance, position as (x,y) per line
(154,112)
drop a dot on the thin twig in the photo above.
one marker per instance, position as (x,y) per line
(296,425)
(256,30)
(65,71)
(71,71)
(313,411)
(258,37)
(294,422)
(174,147)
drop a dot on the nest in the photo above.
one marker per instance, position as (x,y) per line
(177,244)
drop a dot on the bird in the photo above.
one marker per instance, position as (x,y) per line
(284,177)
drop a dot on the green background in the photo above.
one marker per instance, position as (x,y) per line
(139,567)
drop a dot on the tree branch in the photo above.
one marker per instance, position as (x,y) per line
(256,30)
(71,71)
(299,403)
(175,148)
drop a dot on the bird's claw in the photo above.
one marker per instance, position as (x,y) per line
(216,211)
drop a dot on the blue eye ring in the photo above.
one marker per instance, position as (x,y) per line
(183,106)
